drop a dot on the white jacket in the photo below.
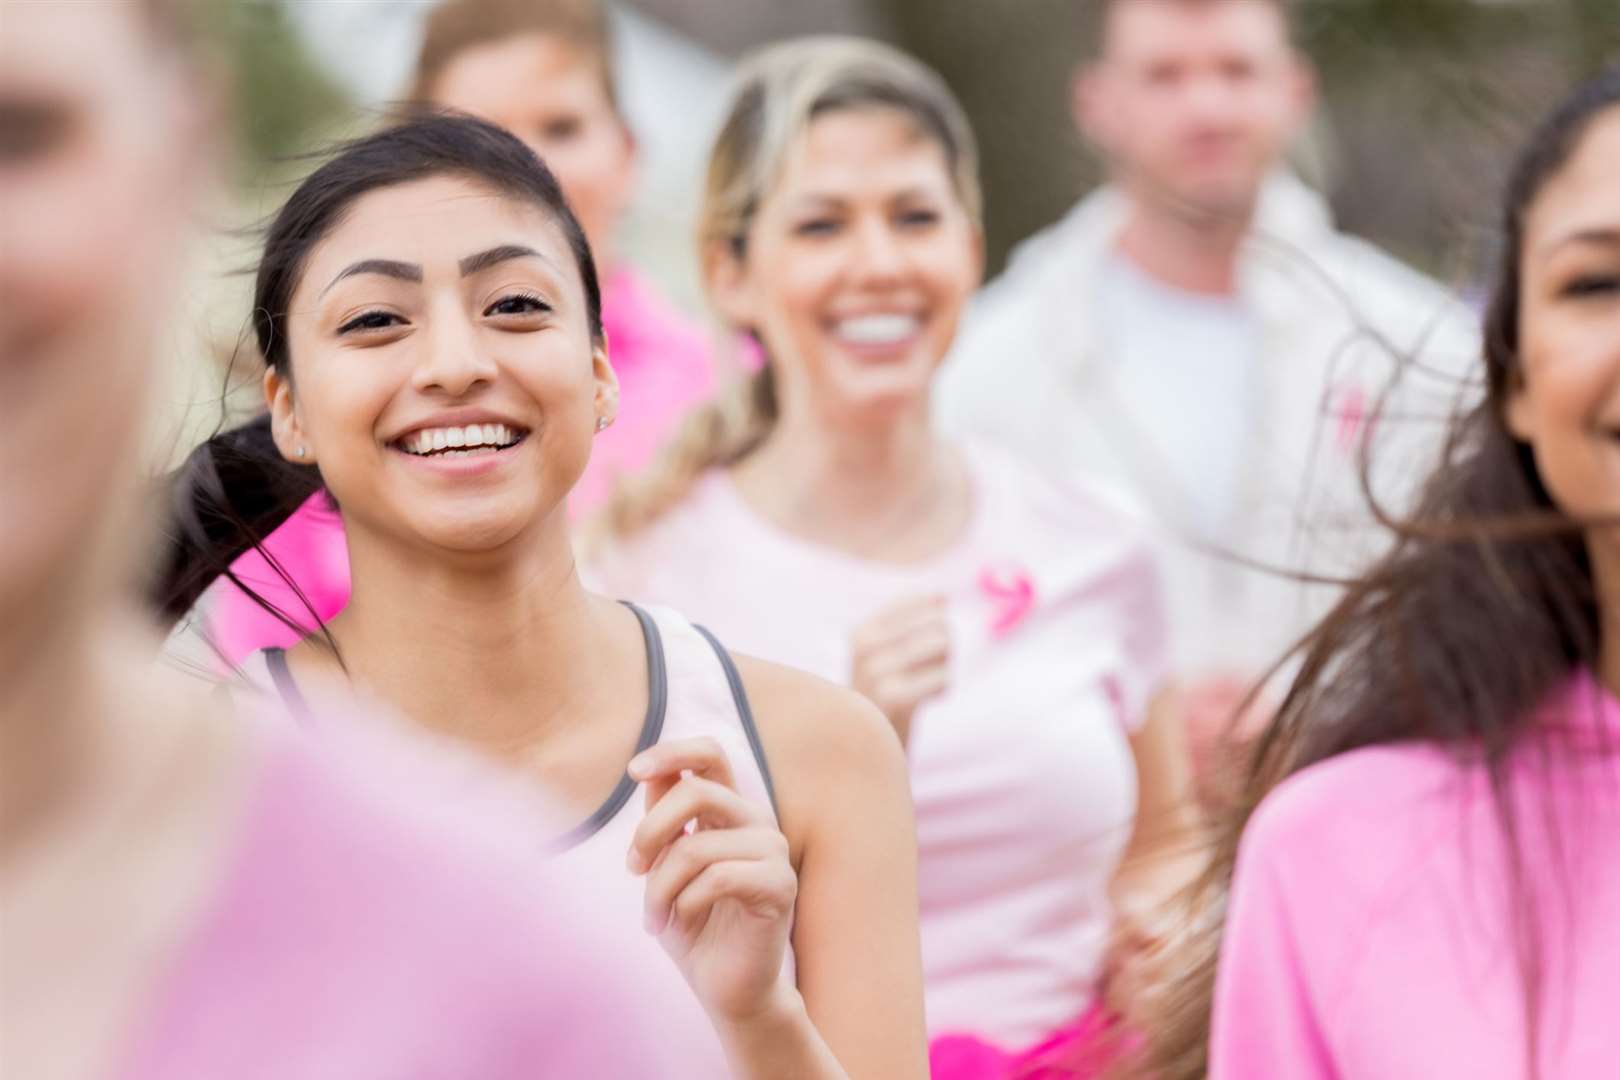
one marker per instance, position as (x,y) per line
(1353,343)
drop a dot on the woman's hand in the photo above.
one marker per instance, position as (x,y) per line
(901,657)
(720,886)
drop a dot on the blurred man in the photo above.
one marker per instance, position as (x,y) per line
(1198,336)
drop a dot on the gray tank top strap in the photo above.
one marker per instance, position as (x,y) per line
(275,660)
(651,728)
(745,714)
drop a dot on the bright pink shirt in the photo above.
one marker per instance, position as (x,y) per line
(1021,772)
(360,930)
(663,365)
(1369,934)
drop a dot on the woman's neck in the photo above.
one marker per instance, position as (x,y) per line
(499,649)
(888,491)
(51,690)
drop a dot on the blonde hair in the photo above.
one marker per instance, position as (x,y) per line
(779,92)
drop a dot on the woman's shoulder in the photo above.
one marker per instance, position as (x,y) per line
(821,737)
(1369,800)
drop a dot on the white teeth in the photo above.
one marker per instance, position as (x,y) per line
(458,440)
(878,329)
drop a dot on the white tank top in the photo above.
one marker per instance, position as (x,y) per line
(693,690)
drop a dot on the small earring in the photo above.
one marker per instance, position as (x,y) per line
(602,423)
(300,451)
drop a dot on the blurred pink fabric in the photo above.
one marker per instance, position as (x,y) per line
(359,929)
(664,369)
(1370,934)
(1083,1050)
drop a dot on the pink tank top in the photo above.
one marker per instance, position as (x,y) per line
(693,690)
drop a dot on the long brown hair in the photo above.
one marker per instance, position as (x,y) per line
(1483,606)
(779,92)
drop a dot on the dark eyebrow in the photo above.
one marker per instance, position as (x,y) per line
(404,271)
(472,264)
(1598,236)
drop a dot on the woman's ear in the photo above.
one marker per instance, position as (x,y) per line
(285,428)
(607,385)
(1518,412)
(725,275)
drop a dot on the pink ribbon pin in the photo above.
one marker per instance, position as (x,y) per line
(1352,410)
(1013,594)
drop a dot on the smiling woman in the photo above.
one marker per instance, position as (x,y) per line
(1008,630)
(429,314)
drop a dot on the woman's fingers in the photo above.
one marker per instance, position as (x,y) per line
(692,799)
(747,864)
(928,646)
(702,756)
(898,621)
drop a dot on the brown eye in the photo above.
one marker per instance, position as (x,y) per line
(370,320)
(561,129)
(1592,285)
(29,131)
(517,304)
(816,227)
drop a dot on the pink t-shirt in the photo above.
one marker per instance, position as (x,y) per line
(1370,933)
(664,370)
(1021,772)
(351,935)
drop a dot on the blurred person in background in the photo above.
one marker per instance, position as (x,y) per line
(1422,875)
(544,70)
(1010,631)
(188,893)
(1198,336)
(429,314)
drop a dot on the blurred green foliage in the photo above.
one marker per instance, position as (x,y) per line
(1424,102)
(282,100)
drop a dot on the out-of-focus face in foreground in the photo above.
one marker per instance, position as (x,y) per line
(97,157)
(1567,405)
(1194,101)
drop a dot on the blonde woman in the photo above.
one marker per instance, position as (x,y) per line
(1009,631)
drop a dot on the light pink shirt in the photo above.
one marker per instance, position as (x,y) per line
(1369,935)
(352,935)
(1022,773)
(662,362)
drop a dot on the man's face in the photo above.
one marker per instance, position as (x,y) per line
(1194,101)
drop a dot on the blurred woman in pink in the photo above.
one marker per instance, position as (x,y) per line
(188,893)
(1009,630)
(542,69)
(1423,874)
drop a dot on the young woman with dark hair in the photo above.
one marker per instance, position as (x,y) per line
(545,71)
(430,317)
(1423,875)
